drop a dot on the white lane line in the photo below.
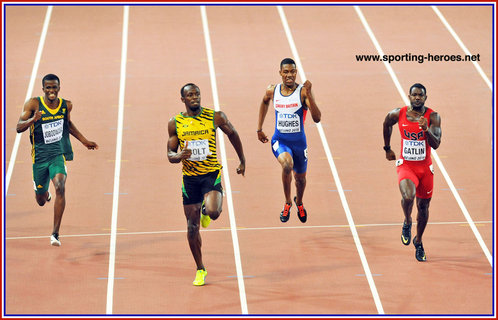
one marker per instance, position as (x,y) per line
(226,177)
(434,153)
(117,167)
(464,48)
(29,94)
(326,147)
(339,226)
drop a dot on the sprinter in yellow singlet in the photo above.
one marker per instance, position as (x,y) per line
(194,131)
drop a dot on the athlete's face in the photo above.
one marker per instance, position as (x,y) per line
(51,89)
(288,72)
(192,98)
(417,97)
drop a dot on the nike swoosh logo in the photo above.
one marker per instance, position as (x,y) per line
(429,192)
(404,125)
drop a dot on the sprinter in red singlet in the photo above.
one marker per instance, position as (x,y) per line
(420,129)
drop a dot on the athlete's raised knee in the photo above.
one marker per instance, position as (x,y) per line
(41,199)
(408,190)
(213,214)
(60,188)
(287,166)
(407,196)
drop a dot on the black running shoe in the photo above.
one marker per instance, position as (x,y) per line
(284,215)
(406,233)
(419,251)
(301,212)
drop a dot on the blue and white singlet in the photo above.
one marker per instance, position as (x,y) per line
(289,115)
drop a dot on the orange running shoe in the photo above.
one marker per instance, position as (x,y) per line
(301,212)
(284,215)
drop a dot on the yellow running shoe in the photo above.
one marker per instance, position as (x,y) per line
(199,277)
(205,219)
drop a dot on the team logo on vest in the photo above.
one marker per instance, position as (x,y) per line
(413,135)
(284,106)
(196,132)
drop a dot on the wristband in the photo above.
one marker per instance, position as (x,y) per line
(259,130)
(387,148)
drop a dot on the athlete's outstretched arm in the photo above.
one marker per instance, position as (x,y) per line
(173,143)
(75,132)
(30,114)
(263,110)
(391,119)
(221,121)
(310,102)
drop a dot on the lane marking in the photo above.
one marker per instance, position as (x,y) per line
(434,153)
(117,167)
(462,46)
(490,86)
(29,93)
(328,152)
(460,223)
(228,188)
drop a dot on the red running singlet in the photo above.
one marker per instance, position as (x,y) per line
(414,145)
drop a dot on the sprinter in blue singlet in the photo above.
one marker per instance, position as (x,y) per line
(291,102)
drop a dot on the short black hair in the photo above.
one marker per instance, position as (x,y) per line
(418,85)
(287,61)
(188,84)
(50,77)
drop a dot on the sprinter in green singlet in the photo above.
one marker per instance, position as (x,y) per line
(48,119)
(194,131)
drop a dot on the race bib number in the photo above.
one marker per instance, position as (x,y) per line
(414,150)
(52,131)
(200,149)
(288,122)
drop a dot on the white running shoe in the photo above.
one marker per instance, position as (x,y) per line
(54,240)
